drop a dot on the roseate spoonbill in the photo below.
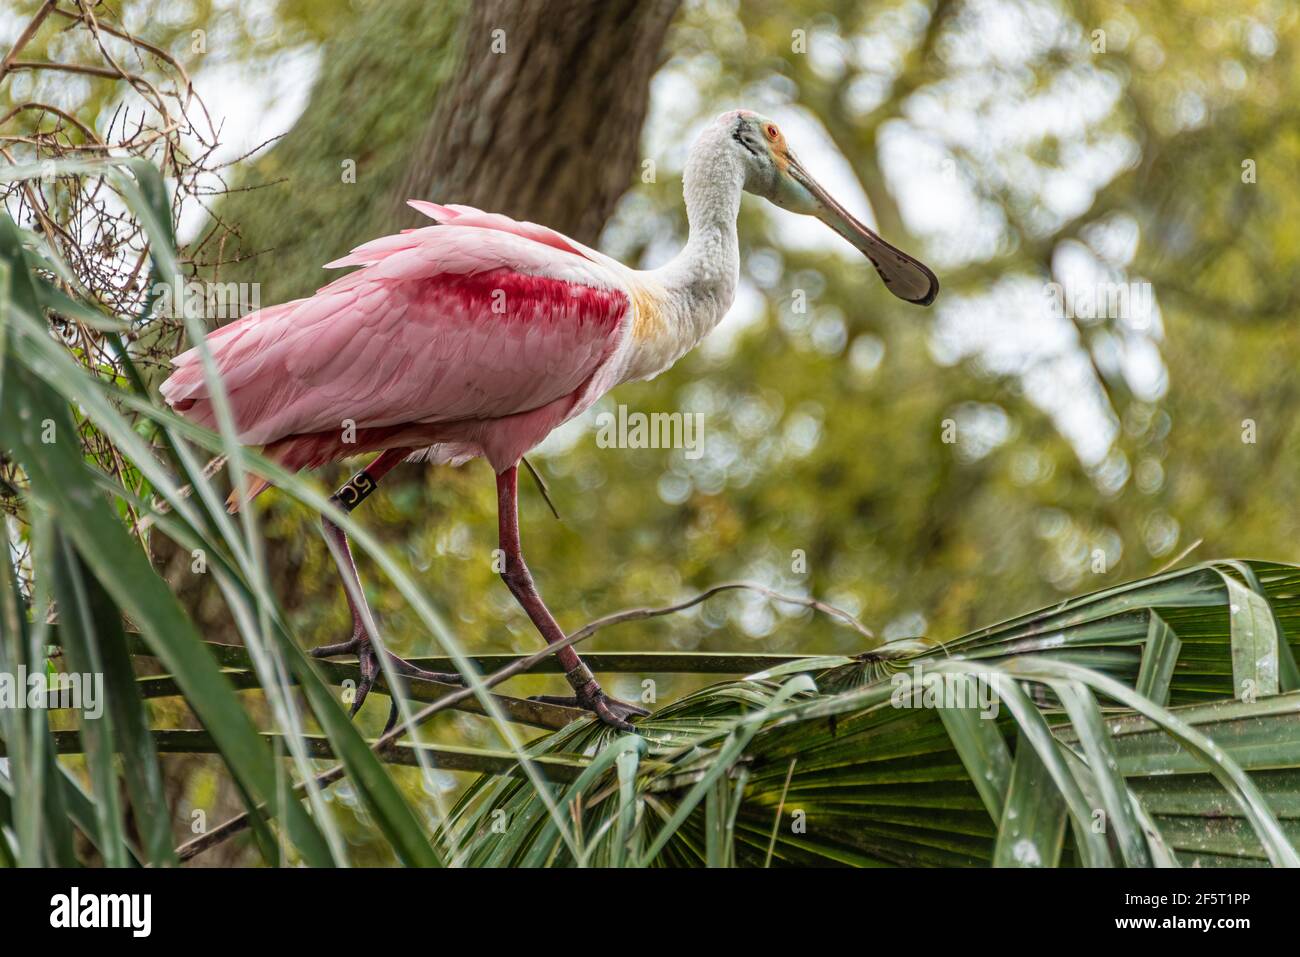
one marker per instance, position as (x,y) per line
(479,335)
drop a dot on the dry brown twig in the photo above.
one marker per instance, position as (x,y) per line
(152,113)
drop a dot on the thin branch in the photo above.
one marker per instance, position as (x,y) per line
(81,68)
(46,107)
(542,487)
(25,37)
(554,767)
(776,821)
(537,714)
(384,743)
(161,104)
(1179,557)
(134,41)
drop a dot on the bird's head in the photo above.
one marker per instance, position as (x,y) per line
(773,172)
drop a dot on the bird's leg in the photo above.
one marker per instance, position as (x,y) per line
(348,497)
(587,692)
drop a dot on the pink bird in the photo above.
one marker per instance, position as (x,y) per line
(480,335)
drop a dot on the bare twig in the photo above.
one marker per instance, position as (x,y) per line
(133,40)
(102,249)
(25,37)
(48,108)
(81,68)
(381,745)
(542,487)
(1179,557)
(776,821)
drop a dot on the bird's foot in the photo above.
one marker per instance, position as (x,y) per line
(611,711)
(371,668)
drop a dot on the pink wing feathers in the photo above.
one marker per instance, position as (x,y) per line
(452,328)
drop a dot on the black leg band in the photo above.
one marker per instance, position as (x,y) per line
(355,490)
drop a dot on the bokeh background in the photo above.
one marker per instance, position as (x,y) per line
(930,471)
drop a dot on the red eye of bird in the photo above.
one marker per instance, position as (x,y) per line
(772,132)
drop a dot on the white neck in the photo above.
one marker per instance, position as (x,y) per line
(701,279)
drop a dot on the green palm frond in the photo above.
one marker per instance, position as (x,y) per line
(1075,767)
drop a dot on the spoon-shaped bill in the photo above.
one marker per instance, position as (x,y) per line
(905,276)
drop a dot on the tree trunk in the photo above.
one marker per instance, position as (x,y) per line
(542,119)
(414,104)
